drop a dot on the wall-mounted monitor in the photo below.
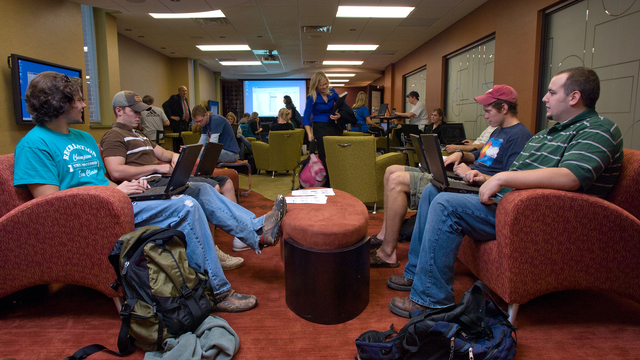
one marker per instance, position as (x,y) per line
(23,69)
(265,96)
(214,106)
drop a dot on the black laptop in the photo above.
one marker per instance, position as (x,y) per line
(452,134)
(209,159)
(382,112)
(406,131)
(439,177)
(178,181)
(422,157)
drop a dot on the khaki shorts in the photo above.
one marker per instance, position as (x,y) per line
(418,181)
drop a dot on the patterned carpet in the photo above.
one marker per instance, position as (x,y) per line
(563,325)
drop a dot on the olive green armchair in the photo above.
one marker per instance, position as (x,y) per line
(282,153)
(354,167)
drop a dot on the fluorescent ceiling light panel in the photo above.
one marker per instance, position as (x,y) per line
(374,11)
(338,80)
(340,75)
(223,47)
(351,47)
(195,15)
(240,63)
(332,62)
(334,85)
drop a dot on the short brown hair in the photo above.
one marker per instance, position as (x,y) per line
(148,99)
(511,107)
(585,81)
(50,95)
(198,110)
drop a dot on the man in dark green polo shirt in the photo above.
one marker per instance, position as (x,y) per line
(582,152)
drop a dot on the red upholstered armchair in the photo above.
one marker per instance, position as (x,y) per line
(63,237)
(550,240)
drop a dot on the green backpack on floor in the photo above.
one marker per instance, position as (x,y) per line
(164,296)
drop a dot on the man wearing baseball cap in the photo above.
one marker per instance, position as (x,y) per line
(504,145)
(418,114)
(128,154)
(581,153)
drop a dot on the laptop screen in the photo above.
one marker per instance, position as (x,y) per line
(419,149)
(453,133)
(383,109)
(209,159)
(434,158)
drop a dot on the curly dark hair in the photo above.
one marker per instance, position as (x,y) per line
(50,95)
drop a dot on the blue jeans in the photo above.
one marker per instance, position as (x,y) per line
(442,221)
(183,213)
(227,215)
(228,157)
(242,142)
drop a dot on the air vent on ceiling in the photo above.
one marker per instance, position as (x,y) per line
(212,21)
(311,63)
(316,28)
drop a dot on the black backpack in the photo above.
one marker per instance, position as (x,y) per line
(164,296)
(474,328)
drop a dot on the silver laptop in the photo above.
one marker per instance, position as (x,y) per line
(439,177)
(178,182)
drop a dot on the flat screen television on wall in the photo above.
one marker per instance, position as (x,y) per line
(23,69)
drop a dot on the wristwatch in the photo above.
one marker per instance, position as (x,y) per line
(461,152)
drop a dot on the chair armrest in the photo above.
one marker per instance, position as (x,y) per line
(64,237)
(556,240)
(261,154)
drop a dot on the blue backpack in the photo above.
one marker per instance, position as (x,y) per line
(246,131)
(474,328)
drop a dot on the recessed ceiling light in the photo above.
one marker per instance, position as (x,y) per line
(240,63)
(374,11)
(195,15)
(338,80)
(334,62)
(223,47)
(340,75)
(352,47)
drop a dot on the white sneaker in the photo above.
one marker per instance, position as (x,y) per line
(239,245)
(228,262)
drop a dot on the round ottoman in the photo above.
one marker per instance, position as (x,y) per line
(326,257)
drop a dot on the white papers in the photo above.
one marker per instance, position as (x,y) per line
(315,199)
(313,196)
(325,192)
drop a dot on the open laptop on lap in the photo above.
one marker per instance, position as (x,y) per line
(209,159)
(452,134)
(178,181)
(438,172)
(422,157)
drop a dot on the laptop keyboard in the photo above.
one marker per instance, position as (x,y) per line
(461,184)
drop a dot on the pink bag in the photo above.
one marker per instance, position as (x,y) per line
(313,173)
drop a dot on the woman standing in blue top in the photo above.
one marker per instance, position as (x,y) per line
(319,106)
(365,124)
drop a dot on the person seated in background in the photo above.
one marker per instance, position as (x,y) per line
(582,152)
(54,157)
(215,128)
(365,124)
(245,118)
(437,119)
(404,185)
(470,145)
(152,120)
(242,141)
(129,155)
(254,124)
(284,121)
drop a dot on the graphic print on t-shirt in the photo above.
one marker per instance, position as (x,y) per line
(490,151)
(81,160)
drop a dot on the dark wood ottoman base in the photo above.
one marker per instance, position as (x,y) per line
(327,286)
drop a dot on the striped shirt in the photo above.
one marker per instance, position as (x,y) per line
(589,145)
(130,144)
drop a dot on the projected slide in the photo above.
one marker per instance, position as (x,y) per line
(266,97)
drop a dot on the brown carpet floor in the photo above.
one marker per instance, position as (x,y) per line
(565,325)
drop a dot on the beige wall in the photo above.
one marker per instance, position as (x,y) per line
(207,82)
(516,25)
(144,71)
(41,29)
